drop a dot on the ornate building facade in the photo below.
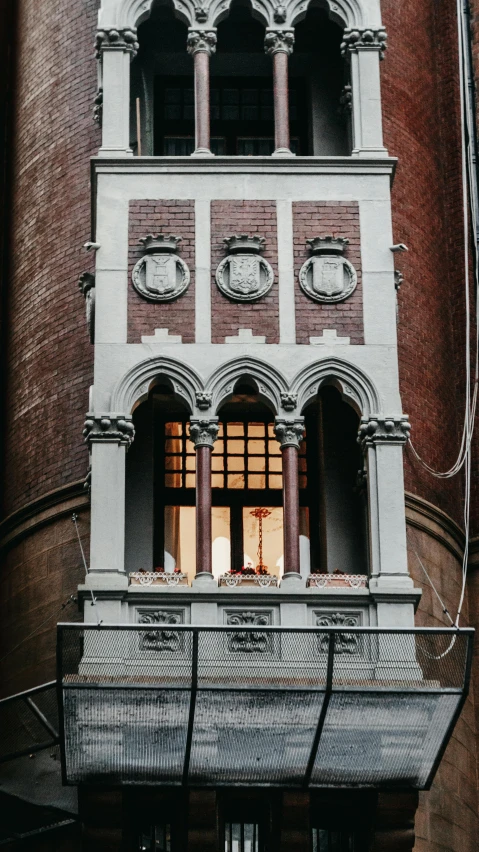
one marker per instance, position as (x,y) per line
(262,206)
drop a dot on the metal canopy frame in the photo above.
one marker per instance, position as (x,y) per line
(24,719)
(157,693)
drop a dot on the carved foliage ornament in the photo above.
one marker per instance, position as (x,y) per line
(244,275)
(86,283)
(278,41)
(344,643)
(161,640)
(201,41)
(203,433)
(105,427)
(327,276)
(123,39)
(387,430)
(375,39)
(289,432)
(160,275)
(250,641)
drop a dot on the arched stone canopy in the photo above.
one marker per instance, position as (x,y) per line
(272,13)
(356,388)
(134,387)
(269,381)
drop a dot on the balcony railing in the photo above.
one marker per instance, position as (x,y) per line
(269,706)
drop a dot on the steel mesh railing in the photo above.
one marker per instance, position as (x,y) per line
(271,706)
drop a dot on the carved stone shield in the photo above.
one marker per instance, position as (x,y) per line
(161,277)
(244,277)
(328,278)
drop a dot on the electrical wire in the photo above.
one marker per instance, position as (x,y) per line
(87,571)
(470,209)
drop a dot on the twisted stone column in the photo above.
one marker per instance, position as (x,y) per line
(279,45)
(201,45)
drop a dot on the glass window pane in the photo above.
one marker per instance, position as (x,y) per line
(256,480)
(302,448)
(173,480)
(175,428)
(188,113)
(221,538)
(250,96)
(235,430)
(188,96)
(257,463)
(235,480)
(230,113)
(145,841)
(302,480)
(190,462)
(220,430)
(249,113)
(235,447)
(276,464)
(217,463)
(231,96)
(217,480)
(257,447)
(190,480)
(275,481)
(173,462)
(173,113)
(173,445)
(256,430)
(302,464)
(172,96)
(274,448)
(235,463)
(218,447)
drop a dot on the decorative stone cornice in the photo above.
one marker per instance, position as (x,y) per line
(203,400)
(384,430)
(278,41)
(203,433)
(289,401)
(112,39)
(201,41)
(366,39)
(289,432)
(115,428)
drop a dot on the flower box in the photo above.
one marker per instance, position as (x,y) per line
(234,580)
(348,581)
(158,578)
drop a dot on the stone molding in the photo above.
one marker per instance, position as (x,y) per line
(201,41)
(383,430)
(112,428)
(203,433)
(289,432)
(278,41)
(45,510)
(117,39)
(427,518)
(364,39)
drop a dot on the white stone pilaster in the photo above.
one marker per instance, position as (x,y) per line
(202,272)
(115,49)
(287,307)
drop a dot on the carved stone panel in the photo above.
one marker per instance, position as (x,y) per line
(244,275)
(160,275)
(249,642)
(345,643)
(327,276)
(161,640)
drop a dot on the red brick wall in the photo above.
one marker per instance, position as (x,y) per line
(48,357)
(421,126)
(314,219)
(244,217)
(170,217)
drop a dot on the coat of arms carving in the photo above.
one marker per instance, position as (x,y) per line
(161,275)
(327,276)
(244,275)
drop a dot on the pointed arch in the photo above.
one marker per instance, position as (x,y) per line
(136,384)
(269,381)
(355,386)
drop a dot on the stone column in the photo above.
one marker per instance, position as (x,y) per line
(364,49)
(290,434)
(109,436)
(279,45)
(201,45)
(203,435)
(115,49)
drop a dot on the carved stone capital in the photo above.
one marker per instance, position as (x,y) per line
(387,430)
(203,433)
(201,41)
(289,401)
(98,107)
(112,39)
(112,428)
(203,400)
(366,39)
(278,41)
(289,432)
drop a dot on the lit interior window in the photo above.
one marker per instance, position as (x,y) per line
(241,837)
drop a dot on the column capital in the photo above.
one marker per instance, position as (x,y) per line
(278,41)
(383,430)
(289,433)
(364,39)
(121,39)
(204,431)
(201,41)
(111,428)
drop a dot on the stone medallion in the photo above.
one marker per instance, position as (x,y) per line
(327,276)
(161,275)
(244,275)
